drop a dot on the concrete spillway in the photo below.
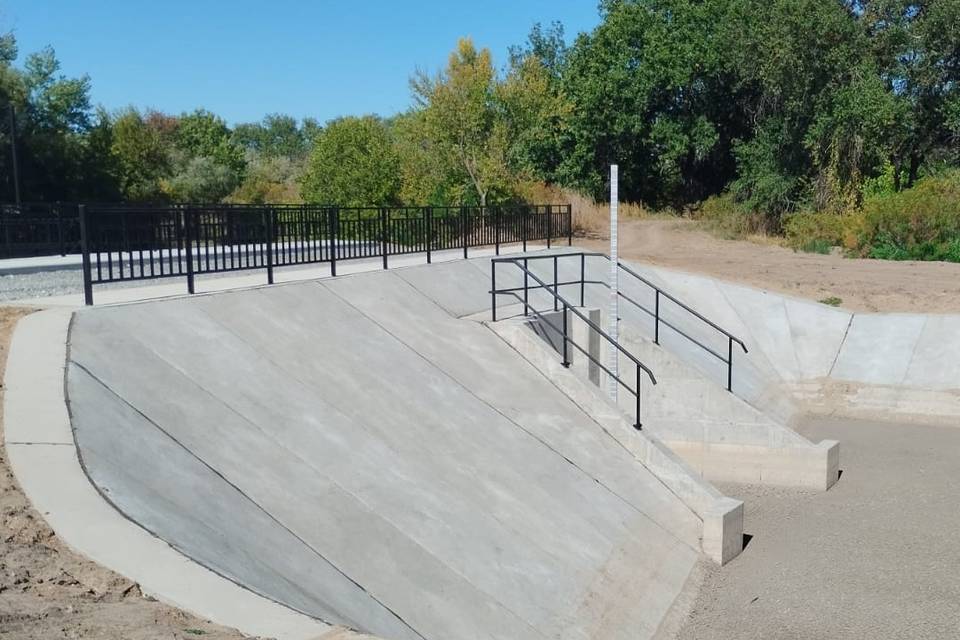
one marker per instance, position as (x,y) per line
(355,450)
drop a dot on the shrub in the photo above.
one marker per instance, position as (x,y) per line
(820,232)
(727,217)
(922,223)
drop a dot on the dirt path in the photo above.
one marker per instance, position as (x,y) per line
(874,557)
(862,285)
(47,591)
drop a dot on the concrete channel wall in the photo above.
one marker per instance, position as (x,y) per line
(357,451)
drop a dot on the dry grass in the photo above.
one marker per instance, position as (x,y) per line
(591,219)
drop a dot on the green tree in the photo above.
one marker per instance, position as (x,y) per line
(652,92)
(462,123)
(201,179)
(353,163)
(142,153)
(202,134)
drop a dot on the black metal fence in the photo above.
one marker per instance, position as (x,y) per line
(126,242)
(39,229)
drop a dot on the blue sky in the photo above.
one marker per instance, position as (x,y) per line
(243,59)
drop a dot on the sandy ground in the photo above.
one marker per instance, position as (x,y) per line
(47,591)
(862,285)
(874,557)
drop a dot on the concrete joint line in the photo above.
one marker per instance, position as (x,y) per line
(512,421)
(836,356)
(51,477)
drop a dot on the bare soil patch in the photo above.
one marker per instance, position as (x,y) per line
(47,591)
(861,285)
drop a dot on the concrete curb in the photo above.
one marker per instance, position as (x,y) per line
(43,456)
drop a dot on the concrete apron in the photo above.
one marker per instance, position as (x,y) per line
(719,436)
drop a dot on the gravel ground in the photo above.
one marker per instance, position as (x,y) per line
(874,557)
(36,285)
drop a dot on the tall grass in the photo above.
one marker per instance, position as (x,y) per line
(591,219)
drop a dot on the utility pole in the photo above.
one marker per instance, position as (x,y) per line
(13,152)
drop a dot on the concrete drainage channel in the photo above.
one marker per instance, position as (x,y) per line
(398,465)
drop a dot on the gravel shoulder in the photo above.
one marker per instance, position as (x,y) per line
(874,557)
(47,591)
(862,285)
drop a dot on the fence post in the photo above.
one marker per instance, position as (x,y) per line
(428,213)
(383,236)
(60,228)
(569,217)
(269,215)
(85,257)
(496,229)
(549,224)
(333,223)
(188,247)
(463,230)
(524,216)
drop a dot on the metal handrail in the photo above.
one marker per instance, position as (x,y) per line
(564,332)
(681,304)
(655,314)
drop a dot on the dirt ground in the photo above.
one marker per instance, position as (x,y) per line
(861,285)
(47,591)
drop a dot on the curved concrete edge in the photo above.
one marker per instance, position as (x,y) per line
(43,456)
(722,534)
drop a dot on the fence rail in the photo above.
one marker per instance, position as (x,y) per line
(37,229)
(128,242)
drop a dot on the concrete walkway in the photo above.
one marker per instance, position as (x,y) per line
(875,557)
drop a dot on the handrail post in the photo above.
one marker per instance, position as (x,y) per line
(730,364)
(188,247)
(566,358)
(85,253)
(569,225)
(271,231)
(333,222)
(583,278)
(656,318)
(463,230)
(493,291)
(549,224)
(383,235)
(555,294)
(428,239)
(639,425)
(526,298)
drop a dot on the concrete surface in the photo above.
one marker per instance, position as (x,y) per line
(722,518)
(806,357)
(352,449)
(875,557)
(40,447)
